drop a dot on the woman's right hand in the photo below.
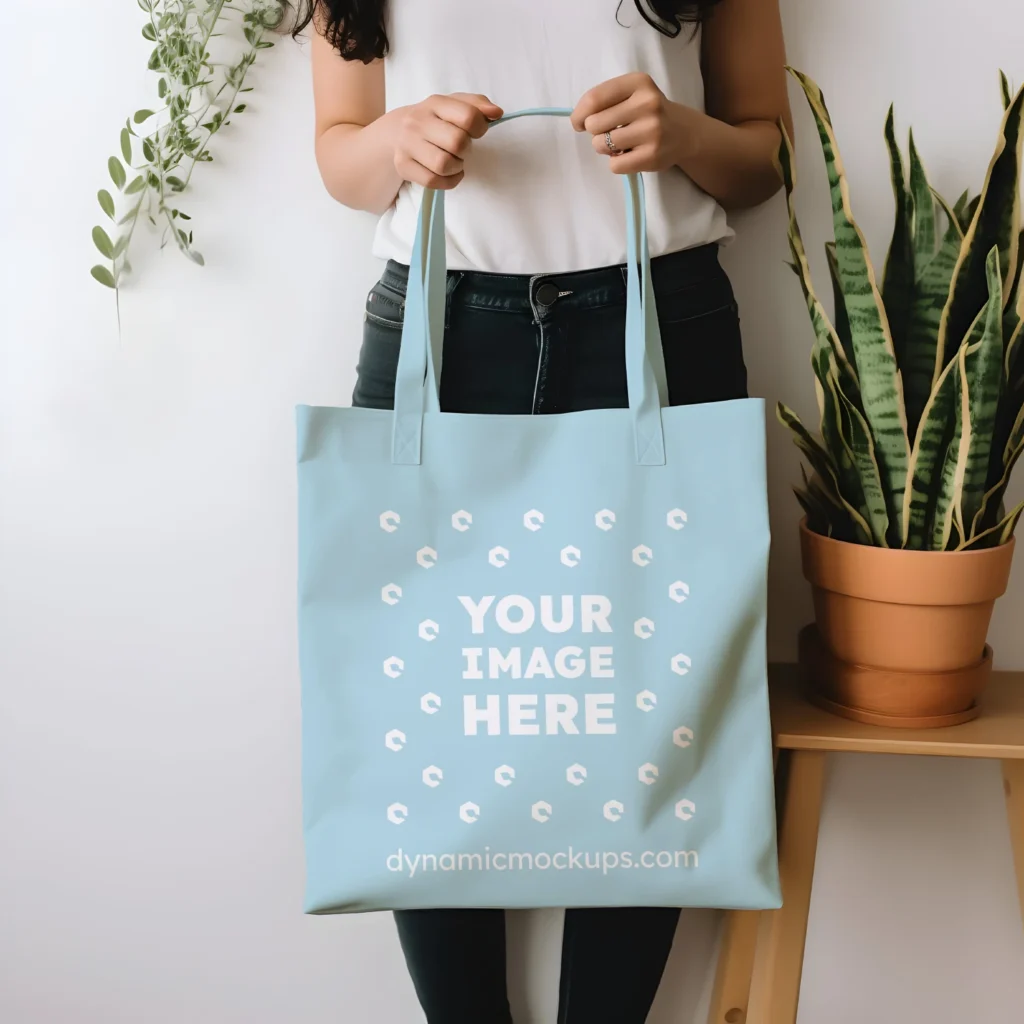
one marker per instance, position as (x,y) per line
(434,135)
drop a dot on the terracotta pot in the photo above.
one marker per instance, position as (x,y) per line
(918,618)
(878,696)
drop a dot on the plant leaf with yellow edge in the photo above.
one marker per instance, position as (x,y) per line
(930,295)
(835,435)
(924,211)
(994,495)
(996,535)
(898,273)
(978,377)
(985,381)
(824,332)
(996,223)
(877,372)
(926,460)
(857,438)
(949,211)
(840,319)
(824,467)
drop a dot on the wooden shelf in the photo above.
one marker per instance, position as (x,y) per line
(761,961)
(998,732)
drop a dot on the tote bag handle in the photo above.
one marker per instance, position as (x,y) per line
(416,383)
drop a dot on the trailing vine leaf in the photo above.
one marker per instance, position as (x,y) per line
(129,217)
(103,242)
(106,202)
(117,172)
(198,91)
(104,276)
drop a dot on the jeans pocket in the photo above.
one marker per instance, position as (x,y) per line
(695,300)
(385,306)
(704,357)
(378,364)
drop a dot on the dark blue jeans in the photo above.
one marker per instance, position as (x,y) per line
(553,343)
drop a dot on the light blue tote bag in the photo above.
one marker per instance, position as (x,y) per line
(533,647)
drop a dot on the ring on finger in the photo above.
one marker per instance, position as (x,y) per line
(612,148)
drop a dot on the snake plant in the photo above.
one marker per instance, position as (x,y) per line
(920,376)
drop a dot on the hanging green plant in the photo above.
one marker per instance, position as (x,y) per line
(199,95)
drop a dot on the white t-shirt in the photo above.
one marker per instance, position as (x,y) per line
(536,197)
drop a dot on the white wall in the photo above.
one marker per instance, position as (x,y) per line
(150,857)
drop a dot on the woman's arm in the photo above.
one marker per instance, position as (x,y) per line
(731,151)
(728,151)
(364,154)
(354,140)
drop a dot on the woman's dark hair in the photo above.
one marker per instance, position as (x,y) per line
(356,28)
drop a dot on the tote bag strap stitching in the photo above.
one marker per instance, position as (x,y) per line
(644,362)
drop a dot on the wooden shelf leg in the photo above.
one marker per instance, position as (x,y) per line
(1013,782)
(731,993)
(778,962)
(735,965)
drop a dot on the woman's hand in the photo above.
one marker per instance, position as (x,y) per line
(648,132)
(433,136)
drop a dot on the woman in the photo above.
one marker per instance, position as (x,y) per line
(690,93)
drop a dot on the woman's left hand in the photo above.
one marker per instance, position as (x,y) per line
(648,132)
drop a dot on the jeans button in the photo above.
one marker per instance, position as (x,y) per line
(547,294)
